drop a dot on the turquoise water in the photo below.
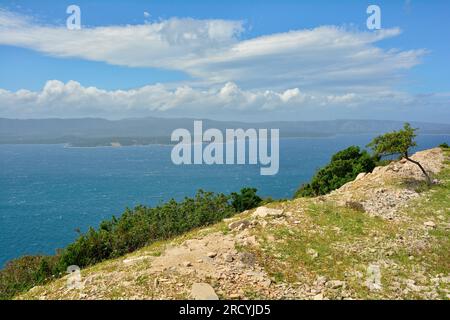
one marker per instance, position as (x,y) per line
(48,191)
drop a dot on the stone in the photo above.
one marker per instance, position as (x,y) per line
(203,291)
(361,175)
(321,280)
(318,297)
(229,258)
(335,284)
(247,258)
(430,224)
(312,253)
(262,212)
(211,254)
(249,241)
(187,264)
(239,225)
(235,296)
(265,283)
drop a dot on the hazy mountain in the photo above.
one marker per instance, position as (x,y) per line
(94,131)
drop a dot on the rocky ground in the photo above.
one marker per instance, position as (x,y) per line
(383,236)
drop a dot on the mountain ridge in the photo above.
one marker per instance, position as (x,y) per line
(150,130)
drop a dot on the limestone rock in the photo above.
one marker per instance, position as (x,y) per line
(429,224)
(247,258)
(312,253)
(361,175)
(203,291)
(335,284)
(262,212)
(239,225)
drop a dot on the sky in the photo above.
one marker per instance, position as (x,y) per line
(230,60)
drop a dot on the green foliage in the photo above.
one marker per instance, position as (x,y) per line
(396,142)
(246,199)
(343,167)
(142,226)
(444,145)
(115,237)
(23,273)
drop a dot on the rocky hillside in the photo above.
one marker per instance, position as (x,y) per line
(385,235)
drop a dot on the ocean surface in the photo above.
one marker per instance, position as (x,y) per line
(48,191)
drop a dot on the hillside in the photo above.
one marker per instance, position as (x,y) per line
(385,235)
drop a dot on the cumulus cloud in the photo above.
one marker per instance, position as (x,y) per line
(72,99)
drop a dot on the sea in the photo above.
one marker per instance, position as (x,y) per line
(47,192)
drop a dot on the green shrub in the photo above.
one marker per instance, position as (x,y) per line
(246,199)
(343,167)
(143,225)
(444,145)
(23,273)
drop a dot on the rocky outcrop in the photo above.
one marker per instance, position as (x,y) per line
(385,190)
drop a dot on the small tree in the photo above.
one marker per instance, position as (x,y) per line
(397,143)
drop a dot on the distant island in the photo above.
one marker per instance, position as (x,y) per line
(96,132)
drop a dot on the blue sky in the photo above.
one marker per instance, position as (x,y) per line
(410,81)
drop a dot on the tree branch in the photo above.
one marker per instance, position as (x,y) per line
(420,166)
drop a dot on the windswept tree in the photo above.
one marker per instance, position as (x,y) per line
(397,143)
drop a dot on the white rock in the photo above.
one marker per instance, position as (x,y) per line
(187,264)
(266,283)
(203,291)
(361,175)
(262,212)
(318,297)
(430,224)
(313,253)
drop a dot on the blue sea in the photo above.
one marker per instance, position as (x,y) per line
(48,191)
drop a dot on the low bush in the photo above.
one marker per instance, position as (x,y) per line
(343,167)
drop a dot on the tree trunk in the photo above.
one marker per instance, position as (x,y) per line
(421,168)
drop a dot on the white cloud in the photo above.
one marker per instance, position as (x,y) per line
(71,99)
(328,69)
(212,51)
